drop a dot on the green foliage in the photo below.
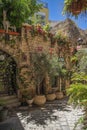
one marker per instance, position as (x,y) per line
(27,93)
(82,61)
(61,39)
(74,58)
(78,93)
(80,121)
(78,88)
(74,7)
(39,20)
(57,67)
(40,67)
(41,64)
(46,28)
(67,3)
(18,11)
(79,77)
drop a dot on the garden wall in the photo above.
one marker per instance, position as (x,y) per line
(31,41)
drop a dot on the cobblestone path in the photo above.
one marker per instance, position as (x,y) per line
(56,115)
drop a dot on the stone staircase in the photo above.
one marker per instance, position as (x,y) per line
(10,101)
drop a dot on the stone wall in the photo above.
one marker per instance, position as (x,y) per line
(31,45)
(27,44)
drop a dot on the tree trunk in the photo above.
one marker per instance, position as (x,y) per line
(67,83)
(68,67)
(38,90)
(60,84)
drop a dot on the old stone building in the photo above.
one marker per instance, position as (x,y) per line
(71,30)
(17,52)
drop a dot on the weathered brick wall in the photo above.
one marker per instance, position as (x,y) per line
(31,44)
(21,52)
(11,48)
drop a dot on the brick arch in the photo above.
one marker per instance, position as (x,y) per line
(22,51)
(12,51)
(11,86)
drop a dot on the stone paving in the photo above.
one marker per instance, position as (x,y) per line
(56,115)
(12,123)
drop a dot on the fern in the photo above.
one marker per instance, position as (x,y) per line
(78,93)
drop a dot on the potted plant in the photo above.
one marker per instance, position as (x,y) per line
(41,67)
(27,95)
(51,96)
(56,75)
(29,100)
(75,7)
(62,74)
(40,100)
(59,95)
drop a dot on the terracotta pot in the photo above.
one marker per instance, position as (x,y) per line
(30,101)
(59,95)
(51,97)
(76,12)
(76,8)
(40,100)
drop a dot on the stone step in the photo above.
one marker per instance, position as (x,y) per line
(5,98)
(17,104)
(2,94)
(10,101)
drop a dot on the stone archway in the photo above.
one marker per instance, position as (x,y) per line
(8,73)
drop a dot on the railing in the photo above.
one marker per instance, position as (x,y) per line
(9,37)
(9,32)
(45,5)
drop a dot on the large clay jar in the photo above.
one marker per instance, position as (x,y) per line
(51,97)
(59,95)
(40,100)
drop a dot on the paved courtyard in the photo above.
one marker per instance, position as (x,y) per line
(56,115)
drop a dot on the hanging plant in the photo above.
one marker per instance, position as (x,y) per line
(61,40)
(75,7)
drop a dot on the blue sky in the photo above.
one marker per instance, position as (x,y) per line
(55,13)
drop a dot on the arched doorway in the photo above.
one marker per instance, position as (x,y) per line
(8,71)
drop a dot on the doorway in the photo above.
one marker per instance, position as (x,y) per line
(8,71)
